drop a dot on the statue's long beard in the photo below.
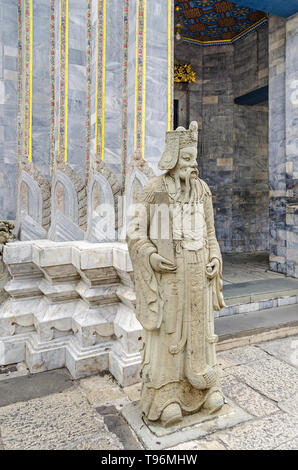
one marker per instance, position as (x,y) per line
(191,190)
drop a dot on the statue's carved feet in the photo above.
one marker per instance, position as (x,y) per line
(214,402)
(171,415)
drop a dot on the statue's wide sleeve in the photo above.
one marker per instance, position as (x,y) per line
(214,252)
(140,247)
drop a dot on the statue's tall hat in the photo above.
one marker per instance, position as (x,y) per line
(175,141)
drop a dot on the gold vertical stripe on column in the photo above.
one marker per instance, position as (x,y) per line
(170,63)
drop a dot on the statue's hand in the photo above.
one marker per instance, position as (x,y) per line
(212,268)
(161,264)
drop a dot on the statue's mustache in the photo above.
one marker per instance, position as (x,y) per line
(190,169)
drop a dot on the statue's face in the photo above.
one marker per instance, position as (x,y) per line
(187,163)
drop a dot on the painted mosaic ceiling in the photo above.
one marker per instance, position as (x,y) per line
(212,21)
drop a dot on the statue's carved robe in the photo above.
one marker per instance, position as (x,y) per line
(176,308)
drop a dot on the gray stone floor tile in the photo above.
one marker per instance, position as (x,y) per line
(285,349)
(247,398)
(52,422)
(262,434)
(270,377)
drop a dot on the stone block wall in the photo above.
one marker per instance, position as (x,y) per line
(233,140)
(217,136)
(283,147)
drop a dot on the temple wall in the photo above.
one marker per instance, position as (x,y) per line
(233,139)
(91,83)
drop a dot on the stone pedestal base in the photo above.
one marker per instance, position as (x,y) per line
(192,427)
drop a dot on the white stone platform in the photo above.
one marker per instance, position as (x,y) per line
(71,304)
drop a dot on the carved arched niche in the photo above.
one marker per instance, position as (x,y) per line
(139,172)
(103,191)
(68,203)
(136,179)
(34,212)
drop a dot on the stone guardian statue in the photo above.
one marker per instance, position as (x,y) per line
(178,280)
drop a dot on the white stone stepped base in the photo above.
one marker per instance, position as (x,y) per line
(125,367)
(66,352)
(13,349)
(81,311)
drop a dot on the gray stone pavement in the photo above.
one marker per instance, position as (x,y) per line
(51,411)
(247,267)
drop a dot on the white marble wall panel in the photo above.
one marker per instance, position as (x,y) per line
(131,79)
(41,86)
(57,70)
(156,81)
(77,85)
(8,107)
(113,86)
(93,81)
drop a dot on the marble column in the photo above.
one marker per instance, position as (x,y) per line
(131,72)
(158,109)
(113,86)
(41,86)
(150,78)
(76,85)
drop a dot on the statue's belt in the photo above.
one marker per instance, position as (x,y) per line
(189,245)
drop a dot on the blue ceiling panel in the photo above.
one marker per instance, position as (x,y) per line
(284,8)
